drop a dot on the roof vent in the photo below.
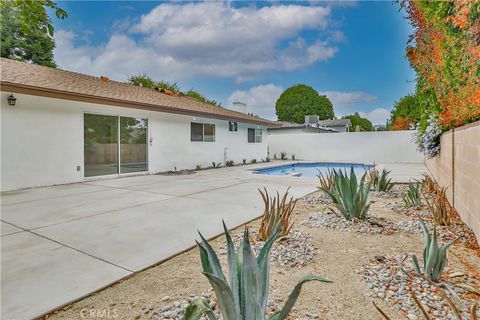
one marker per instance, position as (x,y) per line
(103,78)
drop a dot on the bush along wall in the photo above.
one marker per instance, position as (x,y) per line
(444,51)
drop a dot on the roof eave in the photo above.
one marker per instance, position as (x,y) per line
(73,96)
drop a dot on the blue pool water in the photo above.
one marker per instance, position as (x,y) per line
(312,169)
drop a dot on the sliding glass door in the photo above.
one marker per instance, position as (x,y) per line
(100,145)
(114,145)
(133,144)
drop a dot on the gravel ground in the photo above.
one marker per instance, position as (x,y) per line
(371,225)
(340,255)
(294,251)
(391,278)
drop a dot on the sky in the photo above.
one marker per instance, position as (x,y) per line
(353,52)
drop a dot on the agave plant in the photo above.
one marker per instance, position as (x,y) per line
(434,257)
(380,181)
(440,208)
(244,295)
(276,215)
(327,181)
(412,198)
(349,196)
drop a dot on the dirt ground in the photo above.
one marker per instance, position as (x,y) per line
(339,255)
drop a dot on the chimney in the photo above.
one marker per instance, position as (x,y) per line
(239,106)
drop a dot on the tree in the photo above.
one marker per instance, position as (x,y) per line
(406,112)
(27,30)
(143,80)
(363,123)
(301,100)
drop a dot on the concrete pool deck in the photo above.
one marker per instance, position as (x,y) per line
(61,243)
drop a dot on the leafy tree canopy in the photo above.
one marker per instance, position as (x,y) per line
(301,100)
(27,30)
(406,112)
(146,81)
(357,120)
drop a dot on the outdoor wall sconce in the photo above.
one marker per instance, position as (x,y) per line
(11,100)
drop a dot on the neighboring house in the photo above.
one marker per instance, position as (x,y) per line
(290,127)
(68,127)
(339,125)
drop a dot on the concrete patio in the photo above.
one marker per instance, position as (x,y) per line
(61,243)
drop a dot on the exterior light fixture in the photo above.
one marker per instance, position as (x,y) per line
(11,100)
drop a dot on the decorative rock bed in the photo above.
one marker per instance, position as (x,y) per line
(371,225)
(456,230)
(317,198)
(398,206)
(175,310)
(296,250)
(392,279)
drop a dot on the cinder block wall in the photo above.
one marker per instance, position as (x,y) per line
(458,168)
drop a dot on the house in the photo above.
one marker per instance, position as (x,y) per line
(290,127)
(61,127)
(339,125)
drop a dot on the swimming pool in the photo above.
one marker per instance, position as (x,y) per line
(312,169)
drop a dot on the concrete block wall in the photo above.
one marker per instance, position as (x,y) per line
(458,168)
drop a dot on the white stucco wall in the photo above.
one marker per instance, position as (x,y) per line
(42,141)
(378,146)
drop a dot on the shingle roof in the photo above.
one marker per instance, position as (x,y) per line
(335,122)
(22,77)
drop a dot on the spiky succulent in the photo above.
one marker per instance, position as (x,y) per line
(277,215)
(434,257)
(380,181)
(327,181)
(244,295)
(439,207)
(349,196)
(413,197)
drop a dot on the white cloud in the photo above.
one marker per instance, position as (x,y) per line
(260,100)
(347,98)
(376,116)
(177,41)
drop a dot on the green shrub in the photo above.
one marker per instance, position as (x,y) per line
(216,165)
(254,160)
(434,257)
(198,167)
(230,163)
(349,197)
(244,295)
(413,197)
(244,161)
(283,155)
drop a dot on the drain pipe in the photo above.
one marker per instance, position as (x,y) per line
(225,156)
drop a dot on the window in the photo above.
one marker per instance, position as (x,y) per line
(196,132)
(232,126)
(208,132)
(254,135)
(202,132)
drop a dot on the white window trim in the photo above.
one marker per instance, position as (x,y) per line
(234,131)
(203,131)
